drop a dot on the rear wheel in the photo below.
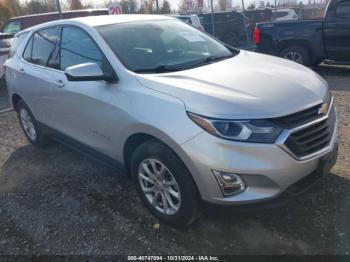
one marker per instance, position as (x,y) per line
(164,184)
(298,54)
(30,126)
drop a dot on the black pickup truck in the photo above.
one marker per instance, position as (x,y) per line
(309,42)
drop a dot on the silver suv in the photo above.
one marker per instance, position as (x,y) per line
(189,118)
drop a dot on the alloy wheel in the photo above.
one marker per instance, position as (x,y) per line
(294,56)
(27,124)
(159,186)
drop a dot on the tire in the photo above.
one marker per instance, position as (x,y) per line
(298,54)
(184,210)
(317,62)
(30,126)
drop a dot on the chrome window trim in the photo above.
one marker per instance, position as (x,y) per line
(287,132)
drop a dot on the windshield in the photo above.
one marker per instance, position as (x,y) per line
(162,46)
(12,27)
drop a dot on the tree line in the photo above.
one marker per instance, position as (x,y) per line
(12,8)
(146,7)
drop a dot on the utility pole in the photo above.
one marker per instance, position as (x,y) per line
(245,27)
(212,18)
(275,10)
(59,9)
(243,6)
(157,5)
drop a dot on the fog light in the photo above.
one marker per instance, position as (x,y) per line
(230,184)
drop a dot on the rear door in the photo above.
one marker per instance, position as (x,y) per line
(37,71)
(337,31)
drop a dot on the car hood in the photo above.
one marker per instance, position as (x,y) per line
(247,86)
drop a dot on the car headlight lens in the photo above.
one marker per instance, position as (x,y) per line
(254,131)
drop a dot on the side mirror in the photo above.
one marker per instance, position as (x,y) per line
(88,72)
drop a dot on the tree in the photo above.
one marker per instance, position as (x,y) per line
(251,6)
(75,5)
(37,7)
(165,9)
(8,9)
(222,5)
(5,13)
(14,6)
(149,6)
(129,6)
(182,7)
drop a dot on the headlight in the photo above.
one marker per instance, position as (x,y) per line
(254,131)
(328,97)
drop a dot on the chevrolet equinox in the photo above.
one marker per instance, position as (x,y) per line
(189,118)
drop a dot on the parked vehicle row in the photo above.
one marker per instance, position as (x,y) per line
(309,42)
(285,14)
(189,118)
(255,16)
(229,27)
(191,19)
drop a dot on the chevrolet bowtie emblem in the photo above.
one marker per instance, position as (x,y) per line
(323,109)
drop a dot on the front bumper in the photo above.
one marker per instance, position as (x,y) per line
(301,186)
(270,172)
(294,190)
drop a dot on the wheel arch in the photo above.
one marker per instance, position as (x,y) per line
(137,138)
(130,145)
(295,42)
(15,99)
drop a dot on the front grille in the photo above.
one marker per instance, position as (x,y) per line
(299,118)
(312,138)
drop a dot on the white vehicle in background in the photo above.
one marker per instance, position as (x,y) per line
(285,14)
(191,20)
(5,44)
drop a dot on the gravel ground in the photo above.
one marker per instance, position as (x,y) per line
(4,101)
(54,201)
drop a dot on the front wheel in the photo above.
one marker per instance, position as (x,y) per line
(164,184)
(298,54)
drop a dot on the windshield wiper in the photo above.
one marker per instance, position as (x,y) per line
(209,60)
(157,69)
(166,68)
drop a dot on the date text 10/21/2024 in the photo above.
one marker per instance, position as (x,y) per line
(173,258)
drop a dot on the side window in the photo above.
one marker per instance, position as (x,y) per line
(27,55)
(281,14)
(343,10)
(43,48)
(12,27)
(46,47)
(77,47)
(17,40)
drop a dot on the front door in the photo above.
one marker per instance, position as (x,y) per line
(38,71)
(86,111)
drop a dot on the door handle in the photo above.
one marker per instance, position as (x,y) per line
(21,70)
(59,83)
